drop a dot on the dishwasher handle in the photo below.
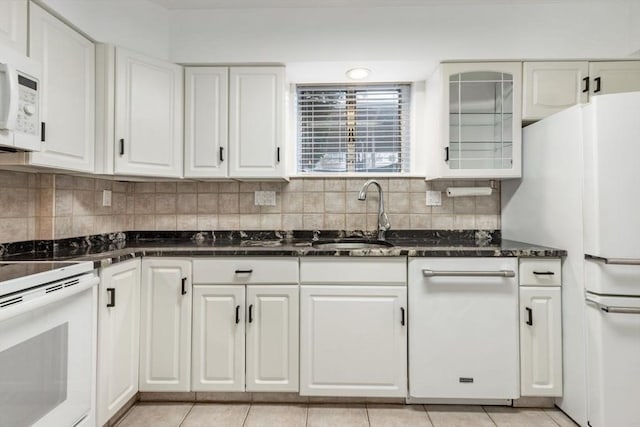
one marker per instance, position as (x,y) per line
(468,273)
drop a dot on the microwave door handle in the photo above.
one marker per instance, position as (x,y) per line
(8,121)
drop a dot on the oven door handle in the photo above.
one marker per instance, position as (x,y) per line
(50,298)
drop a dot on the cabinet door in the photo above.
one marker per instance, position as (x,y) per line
(206,122)
(218,338)
(148,116)
(540,341)
(353,341)
(13,24)
(256,122)
(165,325)
(483,124)
(67,95)
(614,77)
(272,338)
(118,337)
(549,87)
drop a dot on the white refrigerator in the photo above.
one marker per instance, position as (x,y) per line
(580,191)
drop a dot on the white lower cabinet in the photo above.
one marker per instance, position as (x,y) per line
(245,324)
(540,341)
(165,325)
(118,337)
(218,338)
(353,341)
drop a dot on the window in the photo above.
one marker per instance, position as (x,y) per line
(353,128)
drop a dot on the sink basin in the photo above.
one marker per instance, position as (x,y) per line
(351,244)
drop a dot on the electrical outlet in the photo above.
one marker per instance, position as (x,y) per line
(434,198)
(106,197)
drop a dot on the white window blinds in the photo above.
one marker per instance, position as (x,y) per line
(353,128)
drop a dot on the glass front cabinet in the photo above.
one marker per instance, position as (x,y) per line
(474,121)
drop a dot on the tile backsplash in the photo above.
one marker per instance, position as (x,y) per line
(47,206)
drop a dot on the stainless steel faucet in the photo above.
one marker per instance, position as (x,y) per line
(383,219)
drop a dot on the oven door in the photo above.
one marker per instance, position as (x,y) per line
(47,346)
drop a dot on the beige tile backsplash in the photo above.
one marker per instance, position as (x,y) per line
(47,206)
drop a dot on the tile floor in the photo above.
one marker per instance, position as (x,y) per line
(337,415)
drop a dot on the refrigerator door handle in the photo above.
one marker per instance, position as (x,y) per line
(613,309)
(613,261)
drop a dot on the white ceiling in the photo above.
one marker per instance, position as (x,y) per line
(269,4)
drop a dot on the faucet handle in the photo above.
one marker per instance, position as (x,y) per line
(383,222)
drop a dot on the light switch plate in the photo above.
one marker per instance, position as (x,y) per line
(434,198)
(106,197)
(265,198)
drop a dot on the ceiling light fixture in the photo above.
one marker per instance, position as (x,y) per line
(358,73)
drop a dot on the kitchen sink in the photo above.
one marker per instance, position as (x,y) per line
(349,244)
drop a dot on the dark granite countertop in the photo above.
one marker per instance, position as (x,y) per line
(116,247)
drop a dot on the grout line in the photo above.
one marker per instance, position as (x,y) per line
(306,415)
(552,419)
(186,415)
(366,411)
(246,415)
(428,416)
(489,415)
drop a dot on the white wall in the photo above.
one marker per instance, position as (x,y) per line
(137,24)
(410,40)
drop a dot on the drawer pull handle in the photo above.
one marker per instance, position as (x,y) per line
(544,273)
(597,89)
(183,287)
(444,273)
(529,316)
(112,297)
(402,321)
(237,314)
(251,313)
(244,271)
(586,85)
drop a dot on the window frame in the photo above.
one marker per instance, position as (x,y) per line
(416,93)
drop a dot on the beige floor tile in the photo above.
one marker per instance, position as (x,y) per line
(271,415)
(560,418)
(337,416)
(458,416)
(518,417)
(397,416)
(216,415)
(156,415)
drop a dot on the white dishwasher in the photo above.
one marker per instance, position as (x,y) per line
(463,328)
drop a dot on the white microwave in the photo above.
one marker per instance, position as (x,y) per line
(20,86)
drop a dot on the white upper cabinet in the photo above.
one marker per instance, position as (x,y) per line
(473,114)
(206,122)
(68,93)
(256,122)
(148,116)
(549,87)
(614,77)
(13,24)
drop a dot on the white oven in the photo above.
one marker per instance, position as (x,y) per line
(20,126)
(47,351)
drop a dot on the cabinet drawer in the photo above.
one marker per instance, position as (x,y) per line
(245,270)
(384,271)
(540,272)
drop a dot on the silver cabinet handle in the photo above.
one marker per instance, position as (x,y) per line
(498,273)
(613,261)
(613,309)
